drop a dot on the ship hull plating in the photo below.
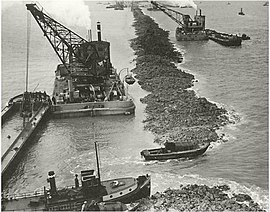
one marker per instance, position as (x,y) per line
(93,109)
(190,36)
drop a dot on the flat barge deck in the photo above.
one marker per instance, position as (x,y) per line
(16,144)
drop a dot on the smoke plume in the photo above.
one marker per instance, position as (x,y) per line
(69,12)
(181,3)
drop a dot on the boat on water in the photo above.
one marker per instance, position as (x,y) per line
(80,196)
(245,37)
(86,83)
(174,150)
(241,12)
(27,103)
(266,4)
(189,29)
(224,38)
(28,110)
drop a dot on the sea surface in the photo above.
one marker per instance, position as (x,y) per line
(234,78)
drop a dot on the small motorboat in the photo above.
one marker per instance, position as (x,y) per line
(241,12)
(245,37)
(266,4)
(129,79)
(174,150)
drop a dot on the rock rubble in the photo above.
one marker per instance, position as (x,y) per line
(198,198)
(173,111)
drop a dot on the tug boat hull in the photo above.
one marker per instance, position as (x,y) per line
(164,154)
(71,198)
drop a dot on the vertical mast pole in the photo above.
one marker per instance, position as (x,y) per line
(99,180)
(27,49)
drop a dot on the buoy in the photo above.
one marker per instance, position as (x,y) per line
(8,136)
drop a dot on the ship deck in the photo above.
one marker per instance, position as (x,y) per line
(21,139)
(123,183)
(24,204)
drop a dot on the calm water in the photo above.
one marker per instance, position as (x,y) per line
(235,78)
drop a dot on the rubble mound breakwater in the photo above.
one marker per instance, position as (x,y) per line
(174,112)
(199,198)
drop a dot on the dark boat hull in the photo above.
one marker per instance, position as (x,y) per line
(225,42)
(190,36)
(37,202)
(154,155)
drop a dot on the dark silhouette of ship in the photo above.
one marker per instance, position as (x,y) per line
(80,195)
(86,83)
(241,12)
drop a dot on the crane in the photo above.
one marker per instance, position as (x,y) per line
(78,56)
(188,29)
(185,21)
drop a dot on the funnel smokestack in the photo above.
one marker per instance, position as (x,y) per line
(99,31)
(200,12)
(89,35)
(51,180)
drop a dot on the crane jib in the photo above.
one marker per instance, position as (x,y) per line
(69,46)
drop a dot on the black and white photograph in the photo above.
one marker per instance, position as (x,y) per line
(134,105)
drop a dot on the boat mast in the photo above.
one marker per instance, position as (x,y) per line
(27,67)
(99,180)
(27,50)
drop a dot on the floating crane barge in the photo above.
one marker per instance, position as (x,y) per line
(188,29)
(86,82)
(194,30)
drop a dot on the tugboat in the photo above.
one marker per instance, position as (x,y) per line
(80,196)
(241,12)
(86,84)
(174,150)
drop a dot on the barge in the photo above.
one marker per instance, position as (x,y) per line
(224,38)
(33,108)
(86,83)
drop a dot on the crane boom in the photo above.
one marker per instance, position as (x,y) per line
(174,15)
(63,40)
(185,21)
(79,56)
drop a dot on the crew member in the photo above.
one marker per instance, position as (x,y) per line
(76,181)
